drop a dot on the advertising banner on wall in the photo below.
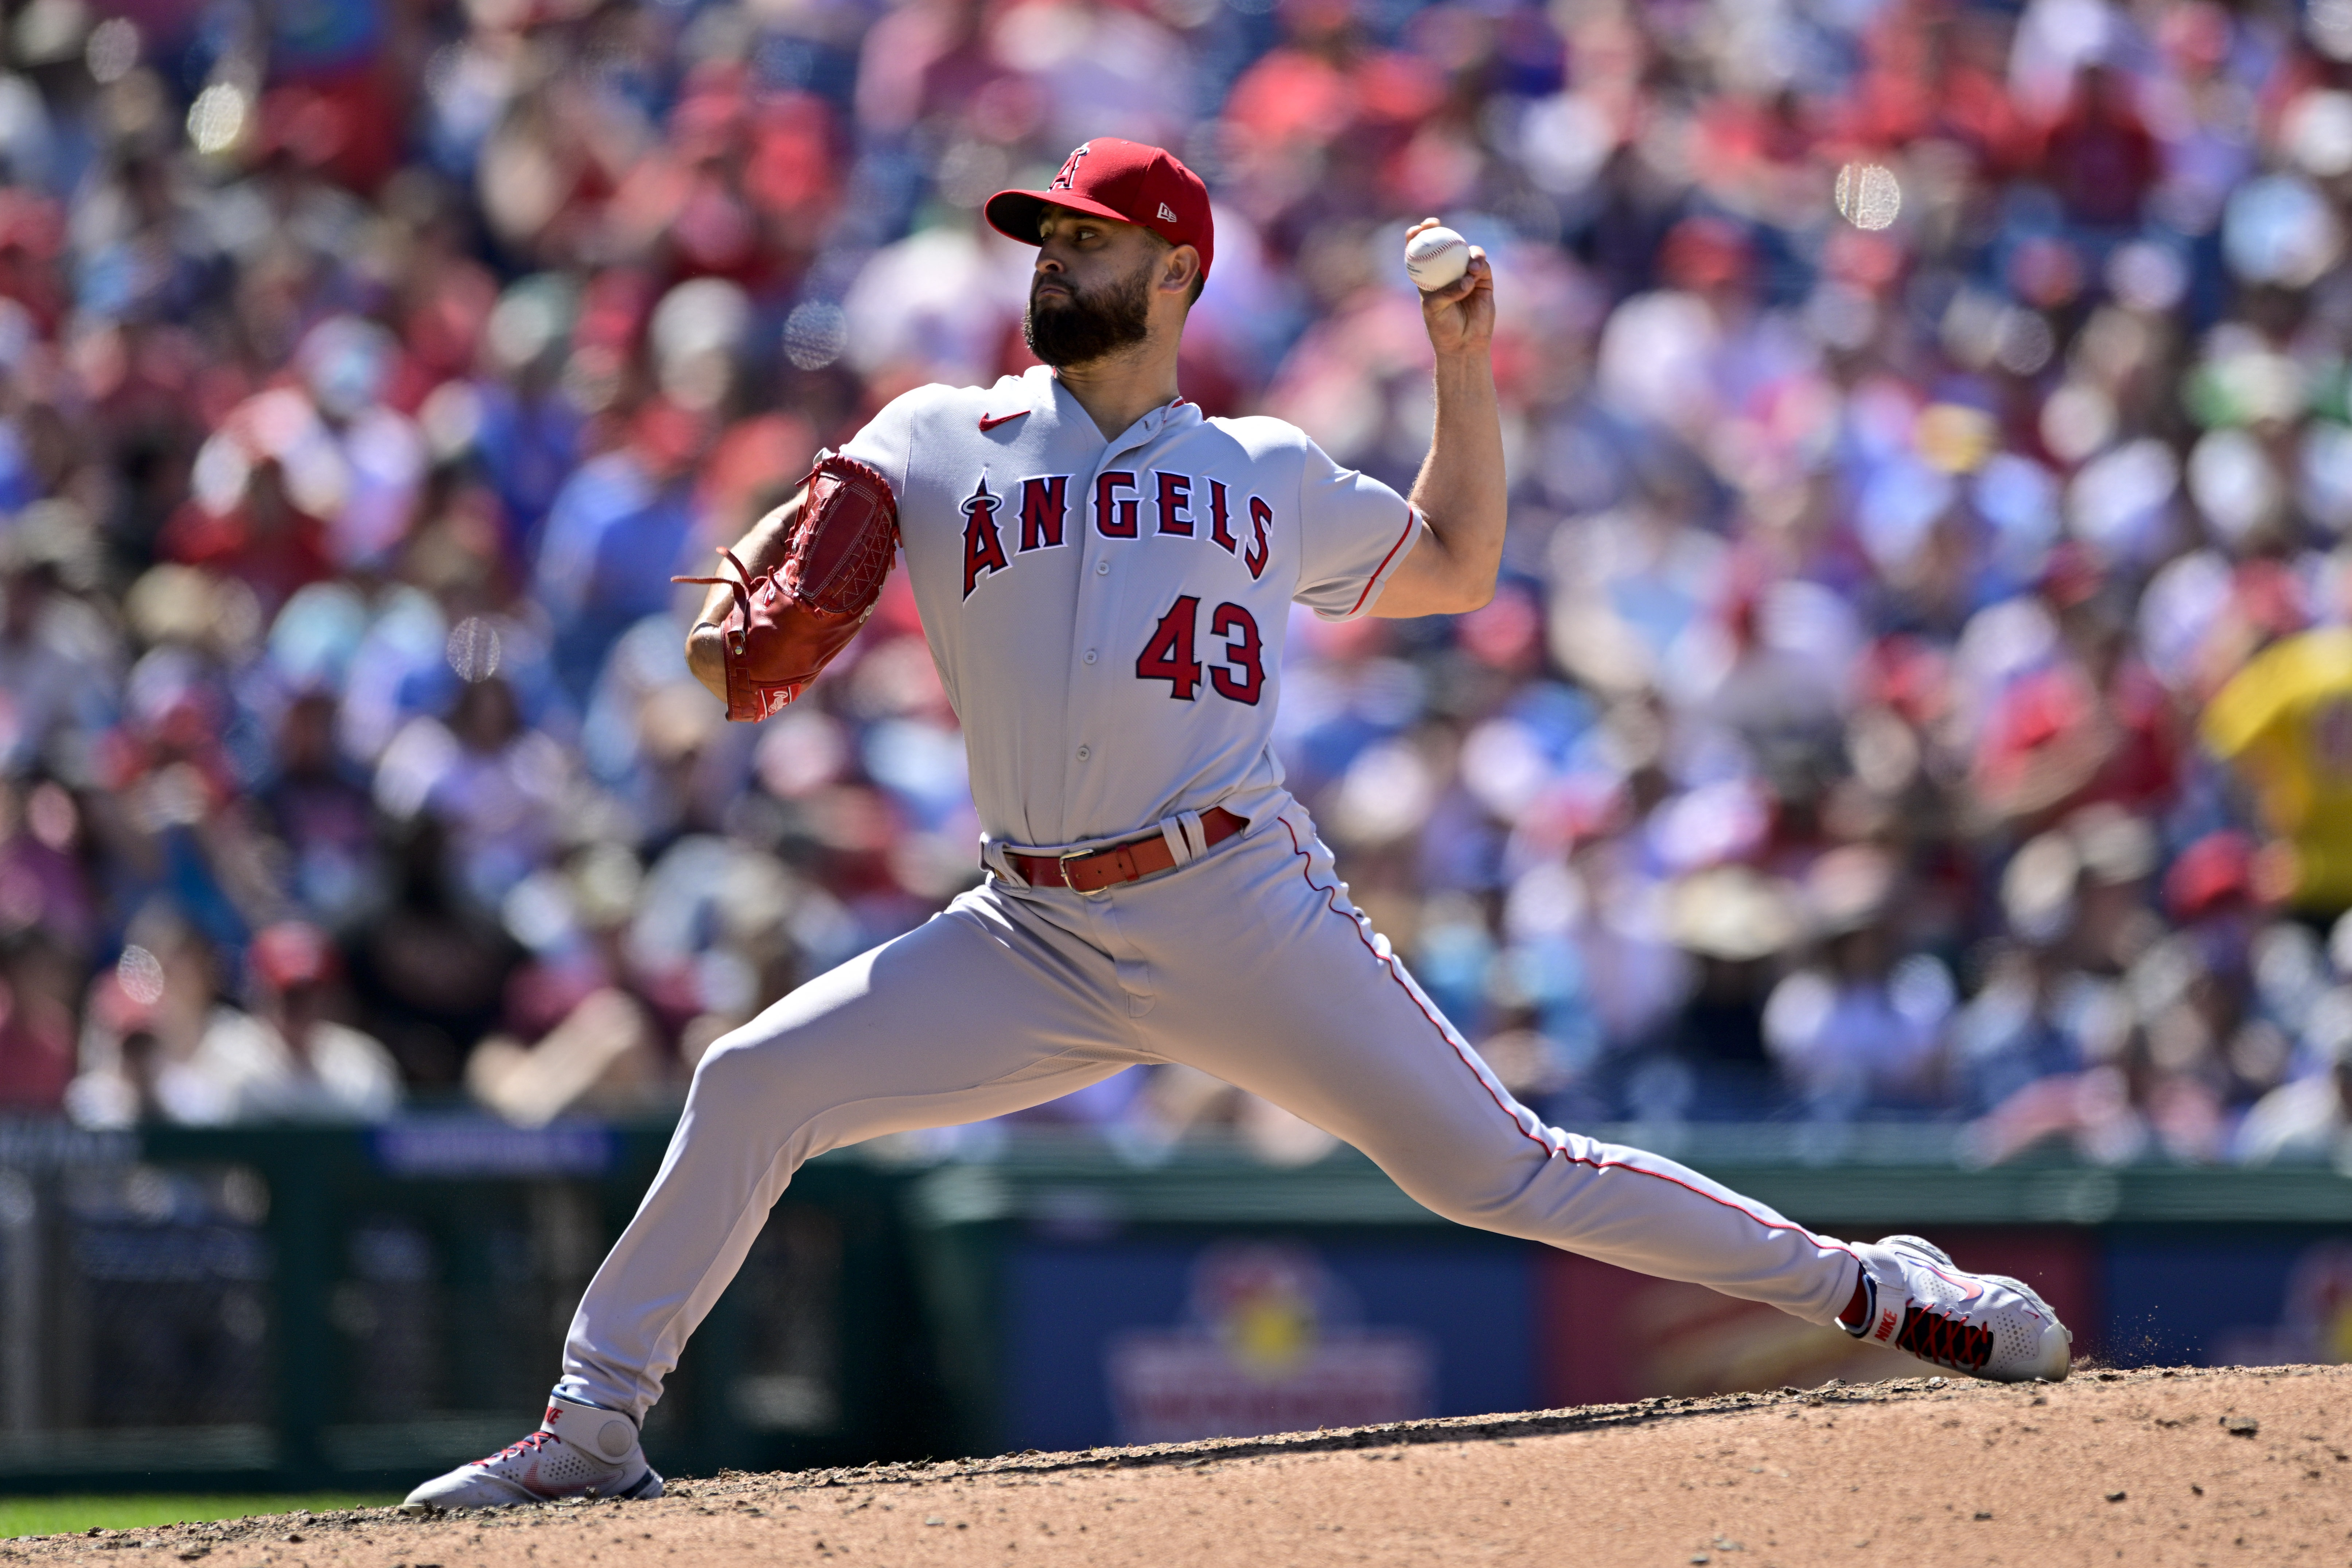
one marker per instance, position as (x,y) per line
(1274,1342)
(2253,1296)
(1163,1340)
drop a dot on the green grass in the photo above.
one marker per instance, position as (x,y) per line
(63,1515)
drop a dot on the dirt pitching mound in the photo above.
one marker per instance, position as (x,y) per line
(2163,1465)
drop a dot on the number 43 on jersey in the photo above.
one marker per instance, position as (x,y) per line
(1171,654)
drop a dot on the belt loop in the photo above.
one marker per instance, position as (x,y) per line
(993,856)
(1178,832)
(1195,833)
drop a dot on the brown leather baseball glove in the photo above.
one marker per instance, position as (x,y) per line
(789,622)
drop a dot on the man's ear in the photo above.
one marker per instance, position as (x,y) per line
(1178,268)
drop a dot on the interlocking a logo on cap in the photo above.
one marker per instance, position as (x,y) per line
(1165,214)
(1069,174)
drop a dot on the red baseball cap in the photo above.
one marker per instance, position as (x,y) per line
(1116,179)
(2216,869)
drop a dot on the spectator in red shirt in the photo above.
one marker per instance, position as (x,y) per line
(38,978)
(2099,156)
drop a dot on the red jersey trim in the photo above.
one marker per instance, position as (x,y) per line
(1411,522)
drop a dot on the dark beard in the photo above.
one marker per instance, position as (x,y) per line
(1086,328)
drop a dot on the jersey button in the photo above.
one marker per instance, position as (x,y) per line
(1090,655)
(1085,752)
(1102,568)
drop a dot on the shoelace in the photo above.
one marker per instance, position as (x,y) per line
(1947,1341)
(532,1443)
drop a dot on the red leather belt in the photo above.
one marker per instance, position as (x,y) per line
(1092,870)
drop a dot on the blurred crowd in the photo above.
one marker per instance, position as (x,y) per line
(1920,687)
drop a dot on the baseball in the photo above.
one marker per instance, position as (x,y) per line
(1435,258)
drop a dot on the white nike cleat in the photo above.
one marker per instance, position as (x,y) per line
(1985,1325)
(580,1450)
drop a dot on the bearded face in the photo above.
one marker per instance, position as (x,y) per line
(1068,324)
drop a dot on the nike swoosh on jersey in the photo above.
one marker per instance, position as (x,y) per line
(987,422)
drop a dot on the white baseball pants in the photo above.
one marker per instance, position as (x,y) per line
(1248,963)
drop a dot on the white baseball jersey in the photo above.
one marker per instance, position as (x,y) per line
(1107,616)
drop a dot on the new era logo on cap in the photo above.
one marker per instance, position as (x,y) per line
(1117,179)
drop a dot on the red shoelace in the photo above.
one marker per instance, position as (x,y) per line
(1947,1342)
(533,1444)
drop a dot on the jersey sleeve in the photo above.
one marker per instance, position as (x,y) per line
(1354,532)
(887,441)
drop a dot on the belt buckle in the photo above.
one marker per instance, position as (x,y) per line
(1062,864)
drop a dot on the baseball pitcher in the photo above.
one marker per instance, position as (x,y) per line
(1105,576)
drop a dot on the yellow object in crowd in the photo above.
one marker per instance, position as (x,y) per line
(2284,721)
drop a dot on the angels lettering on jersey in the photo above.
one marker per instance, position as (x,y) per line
(1107,613)
(1123,502)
